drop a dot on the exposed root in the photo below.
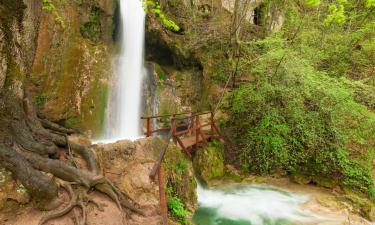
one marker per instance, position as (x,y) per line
(121,199)
(66,209)
(78,199)
(30,149)
(97,204)
(71,158)
(84,213)
(55,127)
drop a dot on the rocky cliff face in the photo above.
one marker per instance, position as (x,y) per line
(192,59)
(73,62)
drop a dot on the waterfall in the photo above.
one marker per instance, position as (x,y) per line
(124,106)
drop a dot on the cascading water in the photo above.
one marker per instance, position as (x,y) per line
(251,205)
(124,107)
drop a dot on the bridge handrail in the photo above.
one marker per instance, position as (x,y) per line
(158,162)
(176,114)
(192,126)
(165,115)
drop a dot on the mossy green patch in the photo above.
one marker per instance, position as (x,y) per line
(92,28)
(181,182)
(154,7)
(209,161)
(73,70)
(40,100)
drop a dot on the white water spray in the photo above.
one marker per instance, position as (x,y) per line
(252,204)
(124,108)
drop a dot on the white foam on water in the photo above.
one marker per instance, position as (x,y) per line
(255,203)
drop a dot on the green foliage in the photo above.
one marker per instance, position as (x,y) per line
(297,118)
(181,166)
(354,175)
(313,3)
(181,185)
(209,161)
(50,7)
(92,28)
(40,100)
(370,3)
(178,210)
(336,15)
(70,122)
(161,74)
(154,7)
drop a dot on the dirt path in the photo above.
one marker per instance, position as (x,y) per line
(110,215)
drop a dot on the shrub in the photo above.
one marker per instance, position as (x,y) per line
(301,118)
(177,208)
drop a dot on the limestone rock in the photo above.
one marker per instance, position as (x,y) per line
(70,73)
(129,164)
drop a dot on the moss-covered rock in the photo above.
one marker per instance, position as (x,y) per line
(301,178)
(209,162)
(72,63)
(179,172)
(362,204)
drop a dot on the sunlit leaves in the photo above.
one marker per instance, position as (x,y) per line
(336,15)
(370,3)
(50,7)
(313,3)
(155,8)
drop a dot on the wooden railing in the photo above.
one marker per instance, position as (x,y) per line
(190,131)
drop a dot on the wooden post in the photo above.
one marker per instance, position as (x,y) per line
(191,125)
(162,197)
(149,127)
(197,130)
(212,126)
(173,127)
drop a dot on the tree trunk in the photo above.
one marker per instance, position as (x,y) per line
(29,146)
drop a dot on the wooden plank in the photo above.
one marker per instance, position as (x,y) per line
(191,141)
(183,146)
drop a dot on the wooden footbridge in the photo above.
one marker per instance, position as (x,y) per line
(189,131)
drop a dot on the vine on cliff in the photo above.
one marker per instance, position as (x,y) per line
(155,8)
(50,7)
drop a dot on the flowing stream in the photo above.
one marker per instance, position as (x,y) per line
(251,205)
(124,105)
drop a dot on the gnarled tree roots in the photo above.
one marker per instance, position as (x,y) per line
(31,149)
